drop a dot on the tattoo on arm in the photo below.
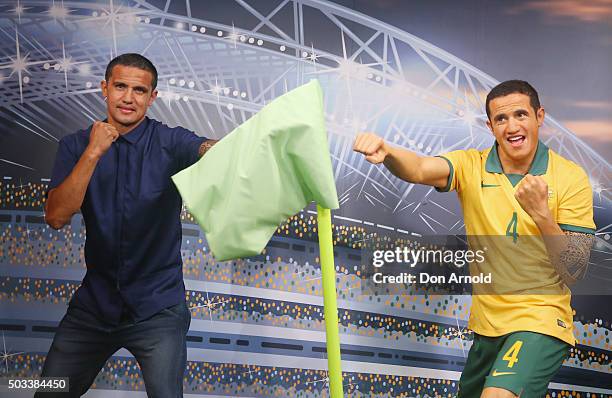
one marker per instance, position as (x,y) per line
(575,258)
(206,145)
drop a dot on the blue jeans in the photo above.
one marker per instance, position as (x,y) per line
(82,344)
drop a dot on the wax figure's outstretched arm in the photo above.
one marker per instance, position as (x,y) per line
(65,200)
(402,163)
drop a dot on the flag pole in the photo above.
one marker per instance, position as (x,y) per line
(330,306)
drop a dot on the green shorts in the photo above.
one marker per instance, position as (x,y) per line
(520,362)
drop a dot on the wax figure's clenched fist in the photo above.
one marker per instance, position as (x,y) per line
(532,195)
(372,146)
(101,138)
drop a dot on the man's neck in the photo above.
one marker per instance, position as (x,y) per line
(123,129)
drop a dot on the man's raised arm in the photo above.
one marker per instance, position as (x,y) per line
(65,200)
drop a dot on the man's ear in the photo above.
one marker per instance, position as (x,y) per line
(540,114)
(104,87)
(489,125)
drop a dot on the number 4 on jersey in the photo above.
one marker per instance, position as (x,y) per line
(511,228)
(512,354)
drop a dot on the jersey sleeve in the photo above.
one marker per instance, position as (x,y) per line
(576,204)
(65,160)
(186,147)
(459,163)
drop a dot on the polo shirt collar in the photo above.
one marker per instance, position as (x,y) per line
(539,166)
(133,136)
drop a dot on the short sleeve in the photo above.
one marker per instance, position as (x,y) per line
(575,211)
(186,147)
(457,161)
(65,160)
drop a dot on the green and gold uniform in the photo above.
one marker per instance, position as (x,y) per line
(507,325)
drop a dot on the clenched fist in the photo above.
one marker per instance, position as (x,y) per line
(372,146)
(101,138)
(532,195)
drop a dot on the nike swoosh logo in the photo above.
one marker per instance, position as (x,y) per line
(488,185)
(496,373)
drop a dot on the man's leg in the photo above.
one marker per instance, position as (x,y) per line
(525,365)
(79,350)
(159,346)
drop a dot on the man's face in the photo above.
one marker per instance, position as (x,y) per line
(129,93)
(515,125)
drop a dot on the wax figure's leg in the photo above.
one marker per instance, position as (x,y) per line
(525,365)
(80,348)
(481,357)
(496,392)
(159,346)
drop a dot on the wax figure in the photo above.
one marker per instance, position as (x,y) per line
(517,188)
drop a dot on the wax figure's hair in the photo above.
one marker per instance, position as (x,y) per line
(510,87)
(134,60)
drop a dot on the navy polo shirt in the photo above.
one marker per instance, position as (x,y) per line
(132,218)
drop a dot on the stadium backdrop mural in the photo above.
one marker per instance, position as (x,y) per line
(414,72)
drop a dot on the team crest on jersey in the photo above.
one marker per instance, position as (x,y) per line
(561,323)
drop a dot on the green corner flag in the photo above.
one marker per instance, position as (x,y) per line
(259,175)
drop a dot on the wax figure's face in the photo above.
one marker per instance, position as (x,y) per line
(515,125)
(129,93)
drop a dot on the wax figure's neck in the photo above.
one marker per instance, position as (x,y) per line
(516,165)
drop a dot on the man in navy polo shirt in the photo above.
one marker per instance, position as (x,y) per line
(117,173)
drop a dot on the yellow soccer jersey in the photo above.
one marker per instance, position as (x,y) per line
(519,267)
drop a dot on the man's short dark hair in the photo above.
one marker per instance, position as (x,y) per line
(134,60)
(511,87)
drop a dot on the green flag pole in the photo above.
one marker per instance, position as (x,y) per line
(330,306)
